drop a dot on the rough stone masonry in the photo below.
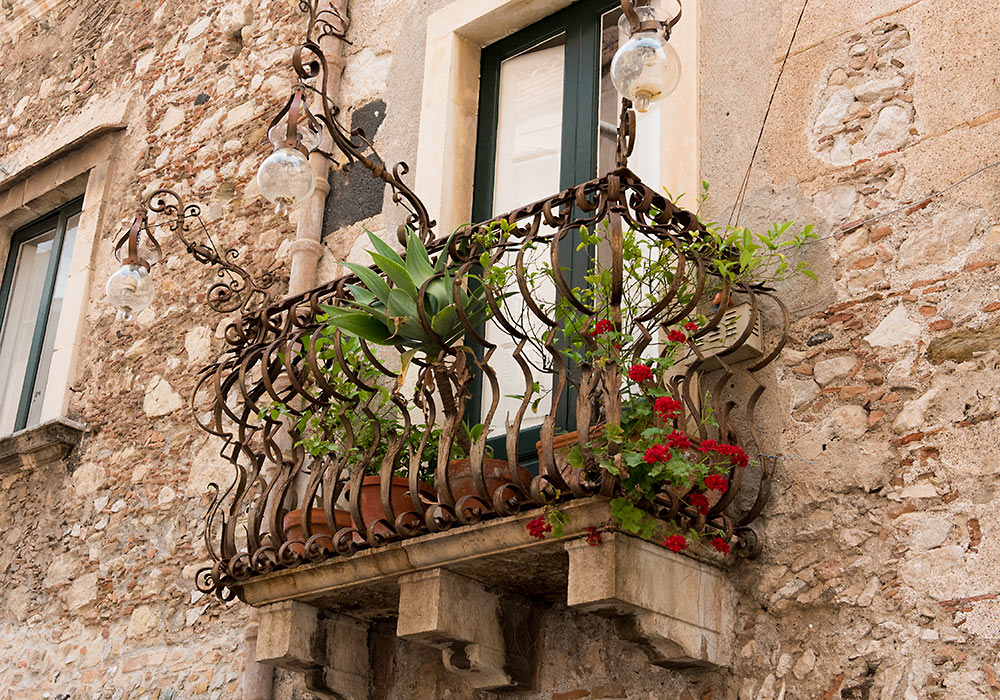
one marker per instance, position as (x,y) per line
(879,579)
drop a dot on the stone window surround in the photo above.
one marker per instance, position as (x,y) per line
(23,15)
(50,171)
(456,35)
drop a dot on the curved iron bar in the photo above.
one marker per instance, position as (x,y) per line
(239,290)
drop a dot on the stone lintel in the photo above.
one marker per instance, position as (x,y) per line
(329,650)
(673,606)
(482,635)
(40,445)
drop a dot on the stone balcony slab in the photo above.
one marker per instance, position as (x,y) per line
(676,608)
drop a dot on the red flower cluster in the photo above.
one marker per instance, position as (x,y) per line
(699,501)
(667,407)
(539,527)
(679,440)
(735,453)
(675,543)
(601,327)
(657,453)
(717,482)
(721,546)
(691,326)
(640,373)
(676,337)
(593,536)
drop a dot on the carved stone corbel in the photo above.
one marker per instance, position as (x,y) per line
(674,607)
(485,638)
(329,650)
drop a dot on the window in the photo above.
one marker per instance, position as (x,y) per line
(548,116)
(31,300)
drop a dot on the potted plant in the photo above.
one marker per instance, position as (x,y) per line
(425,313)
(631,339)
(358,427)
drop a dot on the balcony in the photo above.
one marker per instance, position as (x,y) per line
(476,450)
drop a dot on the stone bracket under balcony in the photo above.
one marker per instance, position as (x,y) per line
(674,607)
(490,647)
(329,650)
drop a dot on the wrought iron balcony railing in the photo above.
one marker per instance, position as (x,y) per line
(340,445)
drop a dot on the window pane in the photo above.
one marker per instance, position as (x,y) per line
(55,309)
(528,159)
(645,160)
(21,315)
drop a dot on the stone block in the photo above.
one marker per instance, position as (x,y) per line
(674,607)
(482,636)
(330,650)
(286,637)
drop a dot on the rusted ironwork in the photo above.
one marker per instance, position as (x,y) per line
(277,357)
(388,469)
(312,69)
(637,24)
(237,290)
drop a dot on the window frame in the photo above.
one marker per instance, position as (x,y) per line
(59,218)
(581,24)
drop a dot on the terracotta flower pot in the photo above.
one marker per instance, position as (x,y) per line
(292,527)
(399,498)
(496,471)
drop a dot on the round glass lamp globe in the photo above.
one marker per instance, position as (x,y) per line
(646,68)
(130,290)
(286,179)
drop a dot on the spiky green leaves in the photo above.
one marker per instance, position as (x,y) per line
(386,310)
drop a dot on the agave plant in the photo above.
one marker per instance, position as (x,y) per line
(389,315)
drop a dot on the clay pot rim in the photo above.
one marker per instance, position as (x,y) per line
(293,518)
(376,480)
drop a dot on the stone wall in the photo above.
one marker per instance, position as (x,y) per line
(878,579)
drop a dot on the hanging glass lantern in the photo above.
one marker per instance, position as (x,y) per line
(130,290)
(646,68)
(286,178)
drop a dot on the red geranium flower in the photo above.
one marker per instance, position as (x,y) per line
(657,453)
(601,327)
(675,543)
(721,545)
(691,326)
(640,373)
(717,482)
(539,527)
(593,536)
(699,501)
(676,337)
(679,440)
(708,445)
(667,407)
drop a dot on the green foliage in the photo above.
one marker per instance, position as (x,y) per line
(385,315)
(607,338)
(370,421)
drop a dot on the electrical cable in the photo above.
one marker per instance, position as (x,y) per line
(741,193)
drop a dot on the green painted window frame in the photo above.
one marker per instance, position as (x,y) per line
(59,219)
(581,25)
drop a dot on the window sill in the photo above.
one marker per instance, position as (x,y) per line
(40,445)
